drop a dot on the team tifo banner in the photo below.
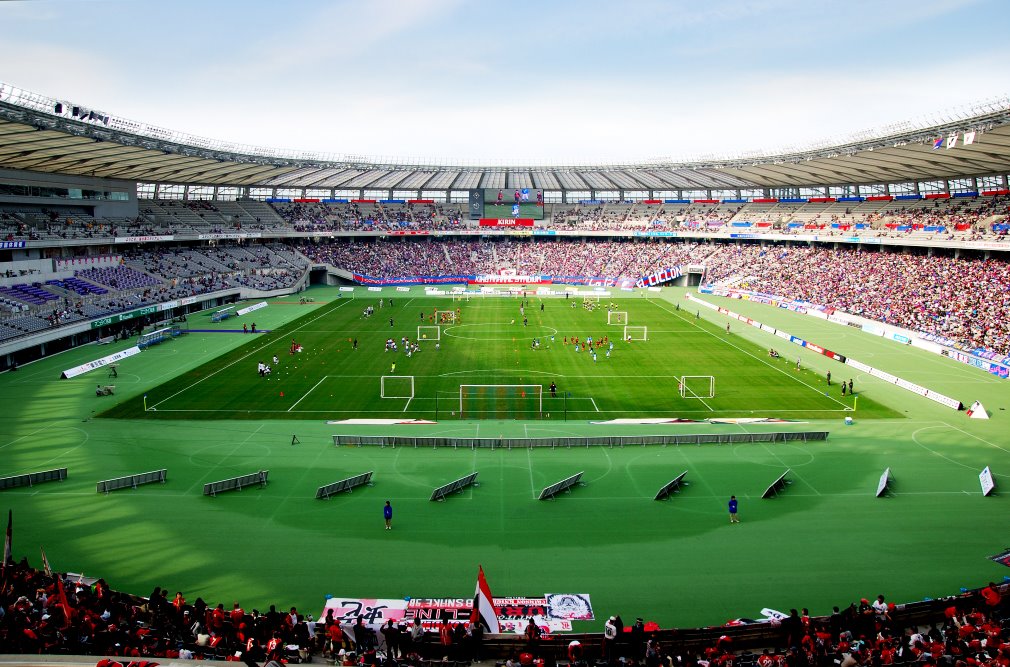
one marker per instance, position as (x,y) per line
(659,277)
(554,611)
(498,279)
(1002,558)
(506,222)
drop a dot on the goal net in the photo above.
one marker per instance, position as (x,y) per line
(617,317)
(636,333)
(396,386)
(501,401)
(697,386)
(428,332)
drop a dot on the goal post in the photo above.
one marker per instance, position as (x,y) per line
(429,332)
(501,401)
(697,386)
(396,386)
(636,333)
(617,317)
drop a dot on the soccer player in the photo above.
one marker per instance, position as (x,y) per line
(733,518)
(387,514)
(554,390)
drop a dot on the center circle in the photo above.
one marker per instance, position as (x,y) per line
(499,331)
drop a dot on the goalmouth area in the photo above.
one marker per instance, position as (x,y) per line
(211,416)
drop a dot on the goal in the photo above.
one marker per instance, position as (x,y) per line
(617,317)
(396,386)
(429,332)
(697,386)
(636,333)
(501,401)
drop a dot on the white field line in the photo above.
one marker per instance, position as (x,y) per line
(307,393)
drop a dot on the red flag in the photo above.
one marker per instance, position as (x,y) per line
(68,611)
(484,611)
(8,555)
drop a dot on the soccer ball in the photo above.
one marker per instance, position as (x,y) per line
(424,336)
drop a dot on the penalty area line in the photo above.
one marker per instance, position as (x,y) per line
(307,393)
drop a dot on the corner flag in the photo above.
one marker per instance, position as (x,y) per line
(484,611)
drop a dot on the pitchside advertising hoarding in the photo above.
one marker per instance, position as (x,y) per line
(554,612)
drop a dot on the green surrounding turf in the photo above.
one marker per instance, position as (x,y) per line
(825,541)
(491,345)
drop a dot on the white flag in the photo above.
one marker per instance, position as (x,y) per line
(969,138)
(952,141)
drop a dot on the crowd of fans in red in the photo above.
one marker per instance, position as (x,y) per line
(54,614)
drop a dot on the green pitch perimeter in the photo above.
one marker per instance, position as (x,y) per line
(825,541)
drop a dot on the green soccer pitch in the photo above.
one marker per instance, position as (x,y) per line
(825,540)
(504,355)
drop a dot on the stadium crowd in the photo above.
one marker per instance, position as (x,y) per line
(962,299)
(972,218)
(44,613)
(145,277)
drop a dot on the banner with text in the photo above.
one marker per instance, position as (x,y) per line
(554,611)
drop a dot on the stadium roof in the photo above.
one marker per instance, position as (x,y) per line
(43,134)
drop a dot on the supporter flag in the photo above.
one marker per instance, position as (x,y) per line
(938,143)
(8,554)
(969,138)
(68,611)
(952,141)
(484,611)
(45,563)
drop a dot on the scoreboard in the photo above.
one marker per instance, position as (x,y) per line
(507,203)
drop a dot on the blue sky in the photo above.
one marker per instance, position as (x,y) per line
(518,82)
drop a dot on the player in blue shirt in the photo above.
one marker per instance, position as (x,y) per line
(732,510)
(387,513)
